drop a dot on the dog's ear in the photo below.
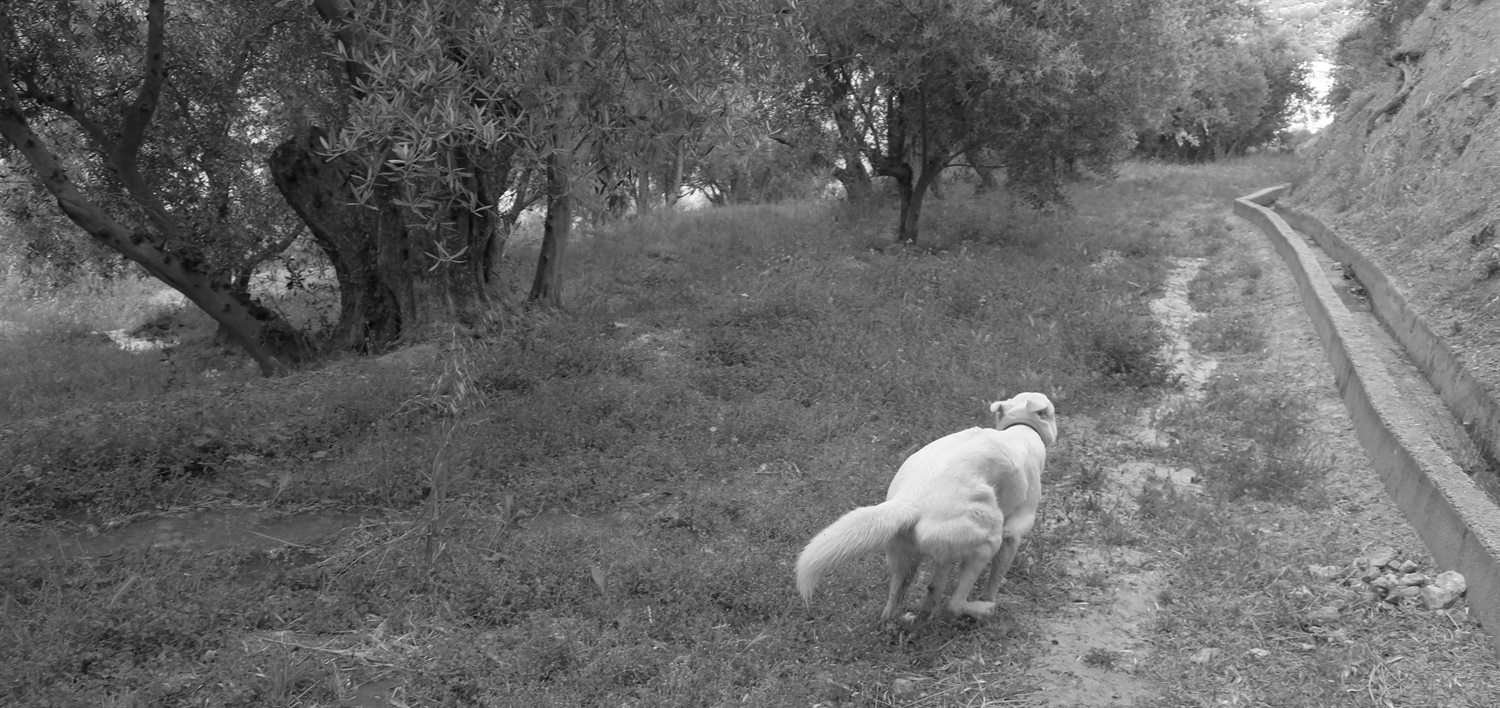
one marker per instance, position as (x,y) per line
(998,408)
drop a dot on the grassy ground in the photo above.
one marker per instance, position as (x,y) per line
(602,506)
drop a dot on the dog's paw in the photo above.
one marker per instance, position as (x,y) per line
(974,609)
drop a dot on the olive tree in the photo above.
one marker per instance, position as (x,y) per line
(911,85)
(138,126)
(1243,84)
(453,96)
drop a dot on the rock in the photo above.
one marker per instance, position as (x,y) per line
(1444,590)
(1260,653)
(1417,579)
(1384,582)
(1406,566)
(1402,593)
(1323,572)
(1323,616)
(1204,655)
(1380,557)
(903,686)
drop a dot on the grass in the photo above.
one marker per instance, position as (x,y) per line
(55,356)
(1251,597)
(602,506)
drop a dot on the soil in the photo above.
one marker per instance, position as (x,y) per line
(1097,643)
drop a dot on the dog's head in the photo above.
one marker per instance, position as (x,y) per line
(1030,409)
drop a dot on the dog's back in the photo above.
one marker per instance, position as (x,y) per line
(959,482)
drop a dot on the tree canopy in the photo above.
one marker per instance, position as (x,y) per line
(911,85)
(400,141)
(1244,82)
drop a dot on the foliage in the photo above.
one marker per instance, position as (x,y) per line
(452,92)
(1036,86)
(434,112)
(199,158)
(42,246)
(155,164)
(912,85)
(1134,53)
(1246,79)
(771,171)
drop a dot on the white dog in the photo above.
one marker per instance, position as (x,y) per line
(967,498)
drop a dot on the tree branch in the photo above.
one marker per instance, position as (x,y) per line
(66,106)
(136,117)
(339,14)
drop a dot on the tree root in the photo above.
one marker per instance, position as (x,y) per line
(1408,82)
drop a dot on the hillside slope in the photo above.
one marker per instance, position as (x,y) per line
(1409,173)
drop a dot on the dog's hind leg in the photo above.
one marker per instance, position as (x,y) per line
(935,586)
(999,565)
(959,604)
(902,558)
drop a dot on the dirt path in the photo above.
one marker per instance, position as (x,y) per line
(1096,645)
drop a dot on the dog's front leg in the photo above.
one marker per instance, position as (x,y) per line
(999,566)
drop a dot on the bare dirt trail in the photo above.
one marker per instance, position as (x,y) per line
(1097,644)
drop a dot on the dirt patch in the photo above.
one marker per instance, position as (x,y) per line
(236,528)
(1176,314)
(1098,643)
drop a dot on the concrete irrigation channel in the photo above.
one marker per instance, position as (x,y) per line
(1412,433)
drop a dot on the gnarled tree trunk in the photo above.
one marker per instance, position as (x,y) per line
(395,282)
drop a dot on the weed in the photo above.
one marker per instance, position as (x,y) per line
(1127,350)
(1100,658)
(1249,440)
(1236,333)
(1222,283)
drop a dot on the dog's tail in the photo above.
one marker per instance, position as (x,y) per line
(856,533)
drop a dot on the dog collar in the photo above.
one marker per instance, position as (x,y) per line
(1033,428)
